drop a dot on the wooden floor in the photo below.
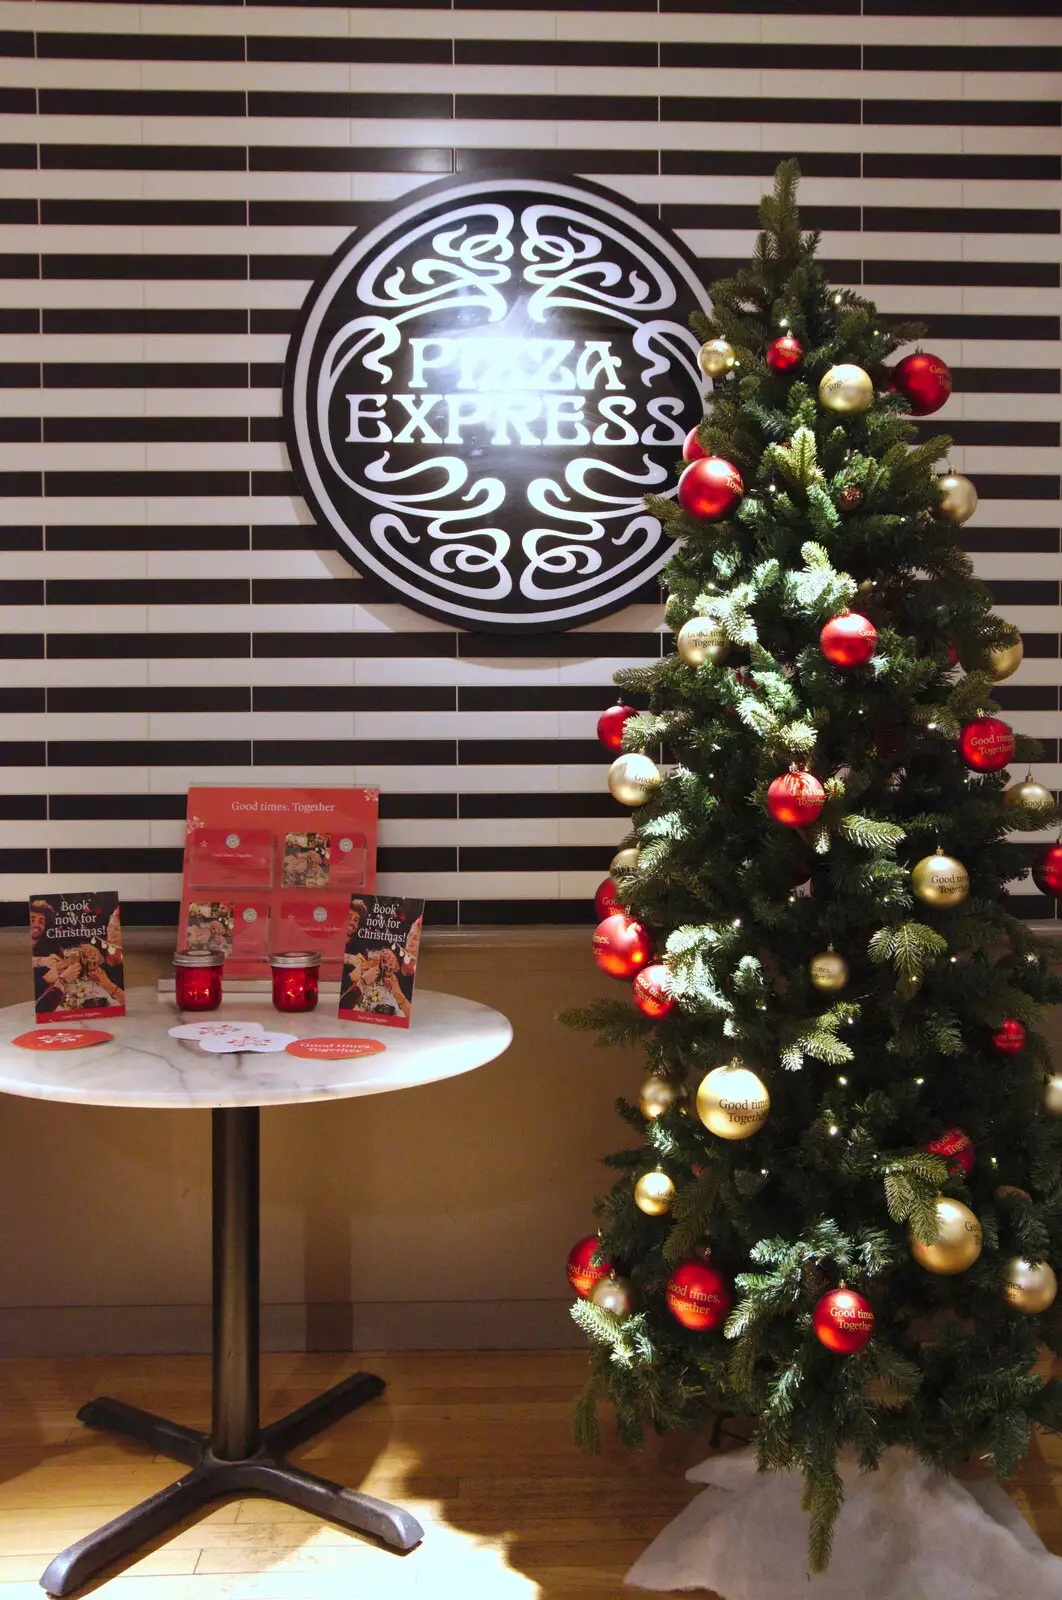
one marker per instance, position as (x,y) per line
(478,1446)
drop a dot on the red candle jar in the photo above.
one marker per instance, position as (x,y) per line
(295,979)
(197,976)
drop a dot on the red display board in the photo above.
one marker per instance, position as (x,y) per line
(269,869)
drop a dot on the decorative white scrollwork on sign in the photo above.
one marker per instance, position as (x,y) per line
(483,389)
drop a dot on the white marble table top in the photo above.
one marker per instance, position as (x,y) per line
(143,1066)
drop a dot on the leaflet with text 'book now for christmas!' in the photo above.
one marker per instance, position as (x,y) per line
(76,944)
(380,964)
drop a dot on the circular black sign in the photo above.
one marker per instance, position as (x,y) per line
(483,387)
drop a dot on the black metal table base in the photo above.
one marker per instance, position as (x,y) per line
(238,1457)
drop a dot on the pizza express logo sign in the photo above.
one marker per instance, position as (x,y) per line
(483,388)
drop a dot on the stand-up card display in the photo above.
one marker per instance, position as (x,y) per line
(77,956)
(270,869)
(380,964)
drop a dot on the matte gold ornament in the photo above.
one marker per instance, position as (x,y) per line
(632,779)
(940,880)
(958,1243)
(625,860)
(846,388)
(654,1193)
(702,639)
(732,1101)
(656,1096)
(958,497)
(1053,1095)
(829,971)
(1030,795)
(715,357)
(613,1294)
(1005,659)
(1029,1286)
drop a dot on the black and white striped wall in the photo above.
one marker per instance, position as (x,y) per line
(172,177)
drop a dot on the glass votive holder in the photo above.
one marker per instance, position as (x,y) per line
(197,978)
(296,975)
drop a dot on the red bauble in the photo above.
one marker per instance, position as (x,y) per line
(698,1296)
(843,1321)
(582,1272)
(621,945)
(785,353)
(692,449)
(953,654)
(1009,1038)
(611,723)
(956,1148)
(651,991)
(710,488)
(987,744)
(605,902)
(849,640)
(923,380)
(1047,870)
(795,799)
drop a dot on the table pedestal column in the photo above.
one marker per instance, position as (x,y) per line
(239,1457)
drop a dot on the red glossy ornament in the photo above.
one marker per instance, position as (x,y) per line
(987,744)
(622,946)
(849,640)
(611,723)
(785,353)
(843,1321)
(923,380)
(605,902)
(710,488)
(795,799)
(698,1296)
(953,654)
(582,1272)
(1047,870)
(692,449)
(1009,1038)
(957,1149)
(651,991)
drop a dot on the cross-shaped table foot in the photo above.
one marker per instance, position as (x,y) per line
(239,1457)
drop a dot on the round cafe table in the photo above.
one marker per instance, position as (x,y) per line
(143,1066)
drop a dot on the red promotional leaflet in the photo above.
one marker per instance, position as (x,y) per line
(269,869)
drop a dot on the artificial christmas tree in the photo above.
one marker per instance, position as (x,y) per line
(817,810)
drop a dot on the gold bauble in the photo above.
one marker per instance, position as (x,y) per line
(625,860)
(715,357)
(632,779)
(654,1193)
(673,609)
(958,497)
(701,639)
(958,1242)
(829,971)
(1029,794)
(656,1096)
(613,1294)
(1053,1095)
(940,880)
(846,388)
(1029,1286)
(1005,659)
(732,1102)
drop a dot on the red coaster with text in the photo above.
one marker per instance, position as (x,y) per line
(336,1049)
(61,1039)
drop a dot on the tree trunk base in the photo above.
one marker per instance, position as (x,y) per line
(905,1533)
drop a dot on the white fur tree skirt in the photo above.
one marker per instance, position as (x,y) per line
(905,1533)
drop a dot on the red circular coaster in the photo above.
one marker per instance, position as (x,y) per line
(335,1049)
(62,1038)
